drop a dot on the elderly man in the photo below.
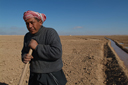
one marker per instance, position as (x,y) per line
(46,60)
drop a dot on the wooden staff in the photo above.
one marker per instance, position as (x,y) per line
(24,70)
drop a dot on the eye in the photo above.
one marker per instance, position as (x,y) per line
(31,22)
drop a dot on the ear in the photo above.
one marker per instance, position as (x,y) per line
(40,22)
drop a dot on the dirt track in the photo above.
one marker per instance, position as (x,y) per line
(86,61)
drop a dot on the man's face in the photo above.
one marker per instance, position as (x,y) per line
(33,25)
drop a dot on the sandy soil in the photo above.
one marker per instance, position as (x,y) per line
(88,60)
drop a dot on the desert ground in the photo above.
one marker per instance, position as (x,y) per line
(88,60)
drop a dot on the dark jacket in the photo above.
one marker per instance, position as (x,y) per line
(48,53)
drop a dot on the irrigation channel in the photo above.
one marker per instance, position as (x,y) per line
(123,55)
(115,75)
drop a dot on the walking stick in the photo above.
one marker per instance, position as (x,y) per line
(24,70)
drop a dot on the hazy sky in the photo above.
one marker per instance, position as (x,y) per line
(67,17)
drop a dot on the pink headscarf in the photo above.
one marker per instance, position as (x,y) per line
(30,14)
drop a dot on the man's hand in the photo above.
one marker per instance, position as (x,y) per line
(33,43)
(27,58)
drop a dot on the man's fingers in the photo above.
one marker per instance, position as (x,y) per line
(27,58)
(32,57)
(28,55)
(25,62)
